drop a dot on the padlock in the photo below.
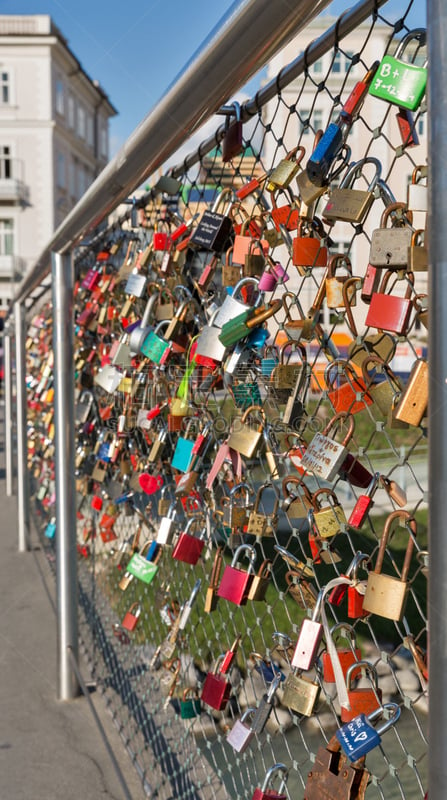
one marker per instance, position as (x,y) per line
(332,777)
(208,344)
(300,693)
(357,589)
(308,250)
(348,204)
(244,439)
(352,395)
(211,598)
(417,192)
(233,307)
(231,273)
(334,283)
(294,413)
(330,518)
(155,347)
(358,736)
(327,150)
(141,567)
(266,792)
(131,617)
(260,523)
(347,655)
(382,392)
(295,504)
(245,244)
(190,705)
(389,246)
(240,735)
(324,456)
(214,228)
(309,638)
(286,216)
(120,355)
(241,326)
(381,344)
(336,595)
(232,144)
(417,257)
(389,312)
(260,582)
(135,285)
(363,504)
(407,128)
(286,374)
(188,548)
(282,175)
(392,422)
(413,401)
(235,515)
(386,595)
(165,305)
(235,584)
(216,688)
(265,706)
(166,526)
(421,307)
(303,592)
(401,82)
(364,700)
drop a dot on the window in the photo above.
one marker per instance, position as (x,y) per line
(81,130)
(6,237)
(60,97)
(72,167)
(103,141)
(317,68)
(71,111)
(421,126)
(60,171)
(5,88)
(5,162)
(89,130)
(342,61)
(309,120)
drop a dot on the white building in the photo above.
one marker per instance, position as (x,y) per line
(377,129)
(54,139)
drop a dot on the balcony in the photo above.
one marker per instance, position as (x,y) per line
(13,189)
(11,268)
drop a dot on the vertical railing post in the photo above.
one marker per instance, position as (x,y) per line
(66,566)
(9,445)
(437,353)
(22,441)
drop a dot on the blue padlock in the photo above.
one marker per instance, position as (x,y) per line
(50,530)
(358,737)
(326,151)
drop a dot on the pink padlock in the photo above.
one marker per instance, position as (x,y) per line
(267,282)
(280,272)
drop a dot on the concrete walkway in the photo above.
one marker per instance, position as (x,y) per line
(49,750)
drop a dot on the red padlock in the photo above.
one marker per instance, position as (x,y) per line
(96,502)
(216,688)
(356,592)
(131,617)
(347,655)
(389,312)
(235,583)
(364,503)
(337,594)
(188,547)
(362,701)
(348,394)
(266,793)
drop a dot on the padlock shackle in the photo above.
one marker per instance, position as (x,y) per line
(297,482)
(247,413)
(290,559)
(392,379)
(400,513)
(342,416)
(354,170)
(368,668)
(409,276)
(345,631)
(245,548)
(418,33)
(391,208)
(277,768)
(263,313)
(346,368)
(357,282)
(258,497)
(339,259)
(324,491)
(297,346)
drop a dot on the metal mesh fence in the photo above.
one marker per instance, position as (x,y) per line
(156,408)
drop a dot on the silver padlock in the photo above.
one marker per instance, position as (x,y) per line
(167,525)
(389,246)
(241,735)
(417,192)
(232,307)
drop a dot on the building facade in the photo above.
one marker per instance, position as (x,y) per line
(54,140)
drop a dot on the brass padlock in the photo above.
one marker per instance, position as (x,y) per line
(330,518)
(261,523)
(384,391)
(386,595)
(300,693)
(235,516)
(260,582)
(231,273)
(389,246)
(295,504)
(282,175)
(286,374)
(417,258)
(348,204)
(244,438)
(334,283)
(413,401)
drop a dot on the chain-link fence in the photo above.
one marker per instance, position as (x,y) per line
(175,469)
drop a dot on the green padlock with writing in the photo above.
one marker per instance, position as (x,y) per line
(398,81)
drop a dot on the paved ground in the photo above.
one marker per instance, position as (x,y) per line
(49,750)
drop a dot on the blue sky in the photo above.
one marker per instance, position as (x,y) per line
(135,50)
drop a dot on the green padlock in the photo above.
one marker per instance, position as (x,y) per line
(190,707)
(398,81)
